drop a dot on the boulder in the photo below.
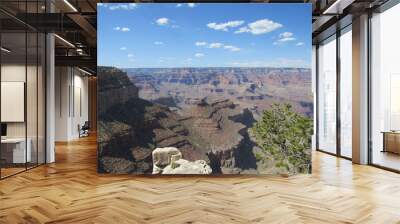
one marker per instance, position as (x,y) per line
(163,157)
(183,166)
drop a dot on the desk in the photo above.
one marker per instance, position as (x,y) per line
(13,150)
(391,141)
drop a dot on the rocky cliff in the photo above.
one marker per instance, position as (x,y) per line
(115,88)
(130,129)
(221,127)
(253,88)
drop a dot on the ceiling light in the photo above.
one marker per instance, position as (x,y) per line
(70,5)
(64,40)
(86,72)
(5,50)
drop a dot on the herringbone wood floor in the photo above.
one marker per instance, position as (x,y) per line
(70,191)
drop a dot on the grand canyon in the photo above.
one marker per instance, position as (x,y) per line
(200,118)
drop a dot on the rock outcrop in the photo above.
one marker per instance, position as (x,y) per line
(183,166)
(163,157)
(221,127)
(169,160)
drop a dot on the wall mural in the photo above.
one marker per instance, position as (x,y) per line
(204,88)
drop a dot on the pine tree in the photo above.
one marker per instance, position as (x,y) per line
(286,135)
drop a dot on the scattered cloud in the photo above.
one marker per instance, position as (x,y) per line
(130,55)
(215,45)
(122,29)
(225,26)
(201,43)
(199,55)
(218,45)
(258,27)
(190,5)
(300,44)
(123,48)
(129,6)
(231,48)
(286,36)
(162,21)
(158,43)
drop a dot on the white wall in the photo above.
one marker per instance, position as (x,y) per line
(71,94)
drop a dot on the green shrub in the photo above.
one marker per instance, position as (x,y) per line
(286,135)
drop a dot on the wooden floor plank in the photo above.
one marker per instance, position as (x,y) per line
(71,191)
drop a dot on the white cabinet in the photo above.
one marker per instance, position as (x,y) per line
(17,146)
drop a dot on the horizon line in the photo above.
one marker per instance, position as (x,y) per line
(201,67)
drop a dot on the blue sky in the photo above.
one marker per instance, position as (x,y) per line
(204,35)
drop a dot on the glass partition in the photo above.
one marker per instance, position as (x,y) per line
(22,88)
(385,89)
(13,94)
(327,95)
(346,92)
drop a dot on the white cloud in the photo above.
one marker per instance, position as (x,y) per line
(259,27)
(231,48)
(122,29)
(300,44)
(162,21)
(190,5)
(215,45)
(158,43)
(199,55)
(286,36)
(218,45)
(123,48)
(130,55)
(201,43)
(225,26)
(129,6)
